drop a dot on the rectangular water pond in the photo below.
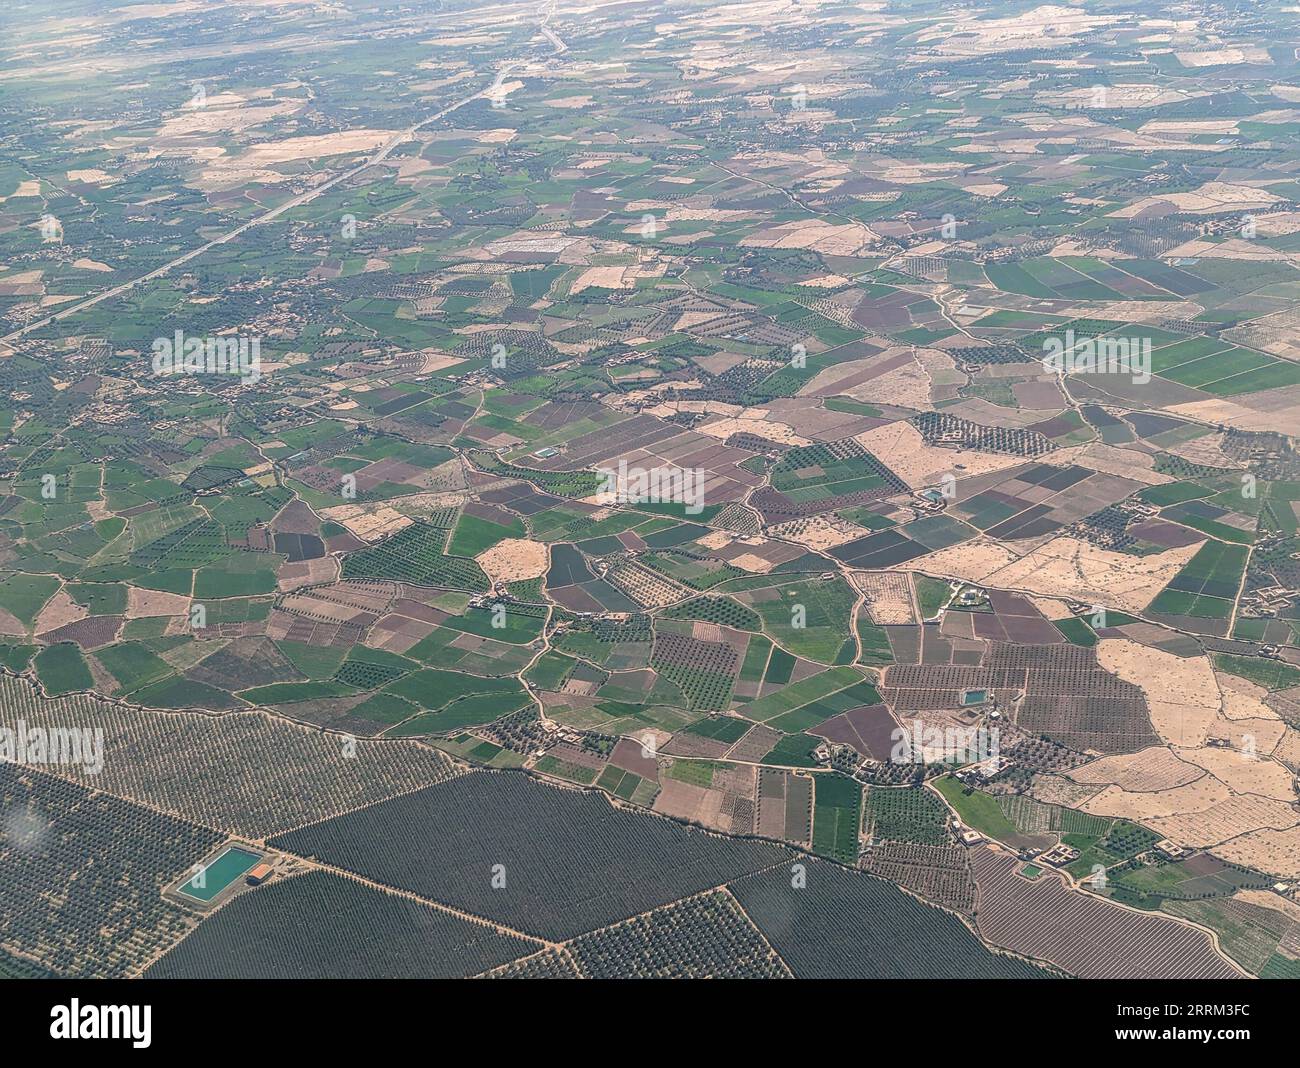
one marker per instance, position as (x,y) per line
(219,873)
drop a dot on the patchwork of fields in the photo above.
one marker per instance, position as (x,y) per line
(761,491)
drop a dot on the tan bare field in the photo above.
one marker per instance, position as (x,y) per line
(1214,126)
(314,146)
(827,238)
(1051,608)
(1243,699)
(1209,199)
(58,610)
(1215,57)
(1285,421)
(1231,818)
(513,560)
(1046,26)
(1278,224)
(908,386)
(644,586)
(683,801)
(1234,248)
(679,213)
(1244,774)
(759,421)
(1258,736)
(1181,694)
(753,563)
(224,112)
(1069,567)
(888,596)
(569,102)
(93,175)
(819,532)
(1142,807)
(1287,749)
(1148,771)
(974,561)
(716,539)
(1144,311)
(825,281)
(11,625)
(142,603)
(901,448)
(1123,95)
(366,523)
(605,278)
(1276,852)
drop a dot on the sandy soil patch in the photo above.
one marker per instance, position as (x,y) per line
(759,422)
(1143,807)
(1276,852)
(1181,694)
(825,281)
(1149,771)
(606,278)
(367,524)
(1229,819)
(513,560)
(752,563)
(901,448)
(1260,737)
(1243,699)
(1068,567)
(973,562)
(143,603)
(826,238)
(1229,413)
(716,539)
(819,532)
(1209,199)
(1219,56)
(1244,774)
(908,386)
(314,146)
(58,611)
(887,596)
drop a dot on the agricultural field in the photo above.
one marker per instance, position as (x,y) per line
(687,489)
(358,932)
